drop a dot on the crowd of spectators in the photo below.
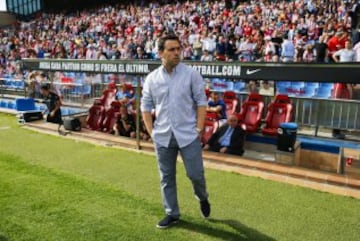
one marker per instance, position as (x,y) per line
(219,30)
(265,30)
(300,30)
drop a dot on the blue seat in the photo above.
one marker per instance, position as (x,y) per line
(283,83)
(312,84)
(3,104)
(25,104)
(239,86)
(282,89)
(230,85)
(19,84)
(72,111)
(76,90)
(294,90)
(308,91)
(43,107)
(7,83)
(87,89)
(64,111)
(326,85)
(11,84)
(11,105)
(298,84)
(324,92)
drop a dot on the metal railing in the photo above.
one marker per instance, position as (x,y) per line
(308,112)
(315,112)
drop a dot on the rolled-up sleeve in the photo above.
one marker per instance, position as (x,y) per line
(198,88)
(147,103)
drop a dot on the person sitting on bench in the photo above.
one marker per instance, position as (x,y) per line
(229,138)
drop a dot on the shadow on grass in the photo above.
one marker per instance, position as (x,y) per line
(3,238)
(241,231)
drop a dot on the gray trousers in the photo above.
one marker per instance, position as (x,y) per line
(192,157)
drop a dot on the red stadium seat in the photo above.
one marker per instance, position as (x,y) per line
(229,95)
(284,99)
(251,112)
(231,101)
(95,117)
(279,111)
(211,116)
(254,97)
(111,117)
(250,115)
(108,97)
(207,93)
(231,106)
(210,128)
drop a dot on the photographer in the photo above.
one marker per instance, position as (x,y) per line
(53,104)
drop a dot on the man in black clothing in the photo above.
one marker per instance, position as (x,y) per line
(125,125)
(229,138)
(53,104)
(321,50)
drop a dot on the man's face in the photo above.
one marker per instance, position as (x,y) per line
(214,96)
(44,92)
(232,121)
(171,53)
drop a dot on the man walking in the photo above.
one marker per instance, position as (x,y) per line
(177,92)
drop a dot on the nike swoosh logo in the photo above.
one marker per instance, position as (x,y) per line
(250,72)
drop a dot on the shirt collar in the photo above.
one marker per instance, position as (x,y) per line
(174,71)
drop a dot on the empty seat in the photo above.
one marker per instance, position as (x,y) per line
(254,97)
(283,84)
(298,84)
(64,111)
(108,98)
(312,85)
(239,86)
(250,115)
(3,104)
(95,117)
(111,117)
(251,112)
(25,104)
(309,91)
(229,95)
(324,92)
(231,101)
(231,106)
(11,105)
(279,111)
(282,89)
(326,85)
(282,99)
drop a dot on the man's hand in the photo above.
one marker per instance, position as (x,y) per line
(206,147)
(223,149)
(52,113)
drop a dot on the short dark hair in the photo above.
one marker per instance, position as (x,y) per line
(45,86)
(162,40)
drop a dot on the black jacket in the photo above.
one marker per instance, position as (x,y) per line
(236,141)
